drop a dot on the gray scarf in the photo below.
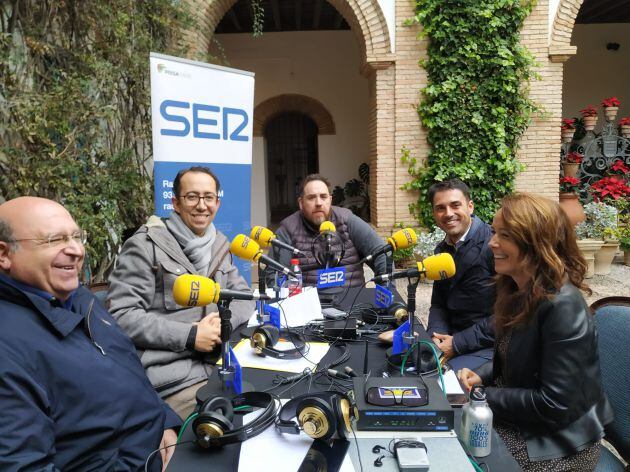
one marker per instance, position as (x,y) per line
(198,249)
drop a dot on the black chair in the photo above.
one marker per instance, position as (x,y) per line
(613,326)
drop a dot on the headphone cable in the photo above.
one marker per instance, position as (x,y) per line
(146,463)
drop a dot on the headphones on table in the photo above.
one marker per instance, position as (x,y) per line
(394,314)
(265,337)
(320,415)
(427,360)
(213,425)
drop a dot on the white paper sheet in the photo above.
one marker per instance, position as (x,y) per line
(297,310)
(277,452)
(247,357)
(450,382)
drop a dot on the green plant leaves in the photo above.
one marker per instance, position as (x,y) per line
(476,105)
(75,110)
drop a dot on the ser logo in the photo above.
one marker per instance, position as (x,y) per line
(331,277)
(208,121)
(193,298)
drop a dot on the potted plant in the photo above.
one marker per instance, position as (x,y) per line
(619,170)
(567,129)
(569,201)
(623,235)
(427,241)
(403,258)
(609,190)
(600,225)
(624,127)
(571,164)
(611,106)
(589,117)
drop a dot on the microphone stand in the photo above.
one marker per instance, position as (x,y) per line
(260,304)
(328,251)
(411,337)
(227,371)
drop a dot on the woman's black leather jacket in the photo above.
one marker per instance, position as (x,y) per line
(552,381)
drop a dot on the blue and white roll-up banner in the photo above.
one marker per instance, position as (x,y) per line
(202,115)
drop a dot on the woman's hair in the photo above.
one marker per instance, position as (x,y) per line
(548,250)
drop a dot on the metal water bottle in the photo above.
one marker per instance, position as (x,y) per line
(476,429)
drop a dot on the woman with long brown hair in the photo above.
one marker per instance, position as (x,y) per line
(544,384)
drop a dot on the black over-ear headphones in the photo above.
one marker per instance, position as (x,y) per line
(394,314)
(265,337)
(427,360)
(213,425)
(320,415)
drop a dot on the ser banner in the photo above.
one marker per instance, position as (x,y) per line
(202,115)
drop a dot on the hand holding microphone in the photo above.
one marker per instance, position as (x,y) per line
(401,239)
(265,238)
(436,267)
(245,248)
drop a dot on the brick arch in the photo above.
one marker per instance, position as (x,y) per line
(312,108)
(365,18)
(560,48)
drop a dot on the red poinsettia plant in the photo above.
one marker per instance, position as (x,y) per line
(569,184)
(609,188)
(619,167)
(625,121)
(574,157)
(588,111)
(610,102)
(568,124)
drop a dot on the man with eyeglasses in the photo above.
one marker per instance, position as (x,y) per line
(302,227)
(73,394)
(173,342)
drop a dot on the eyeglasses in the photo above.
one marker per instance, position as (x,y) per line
(79,237)
(192,199)
(313,196)
(392,396)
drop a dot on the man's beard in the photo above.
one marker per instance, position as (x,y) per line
(318,219)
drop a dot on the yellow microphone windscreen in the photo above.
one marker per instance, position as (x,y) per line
(262,236)
(438,267)
(245,248)
(195,290)
(403,239)
(327,226)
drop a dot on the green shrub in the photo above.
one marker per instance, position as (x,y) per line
(75,110)
(476,104)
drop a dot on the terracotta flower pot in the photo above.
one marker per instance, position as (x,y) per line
(590,122)
(567,135)
(605,256)
(571,205)
(625,131)
(588,248)
(570,169)
(611,113)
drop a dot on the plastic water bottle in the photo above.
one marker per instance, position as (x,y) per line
(476,426)
(295,283)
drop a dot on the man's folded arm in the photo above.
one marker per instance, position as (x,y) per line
(27,433)
(367,242)
(131,292)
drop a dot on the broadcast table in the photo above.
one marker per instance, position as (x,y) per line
(444,450)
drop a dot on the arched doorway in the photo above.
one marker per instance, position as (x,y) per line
(292,154)
(367,108)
